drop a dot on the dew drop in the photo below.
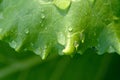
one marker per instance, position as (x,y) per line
(82,37)
(43,16)
(42,25)
(46,28)
(27,31)
(62,4)
(111,49)
(82,40)
(61,38)
(76,44)
(70,29)
(40,22)
(13,44)
(38,51)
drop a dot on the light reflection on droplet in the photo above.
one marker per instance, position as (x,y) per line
(13,44)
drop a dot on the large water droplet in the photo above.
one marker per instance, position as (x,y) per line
(82,40)
(13,44)
(61,38)
(70,29)
(38,51)
(76,44)
(111,49)
(27,31)
(62,4)
(43,16)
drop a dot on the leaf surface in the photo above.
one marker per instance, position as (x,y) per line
(42,26)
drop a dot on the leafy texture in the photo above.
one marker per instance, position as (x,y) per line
(47,27)
(66,26)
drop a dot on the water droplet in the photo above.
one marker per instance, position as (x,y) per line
(61,38)
(13,44)
(27,31)
(40,22)
(38,51)
(62,4)
(82,37)
(76,44)
(46,28)
(43,16)
(82,41)
(70,29)
(80,52)
(111,49)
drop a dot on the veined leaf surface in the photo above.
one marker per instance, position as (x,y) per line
(42,26)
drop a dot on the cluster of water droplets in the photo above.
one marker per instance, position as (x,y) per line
(43,16)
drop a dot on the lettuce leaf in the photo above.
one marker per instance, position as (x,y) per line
(66,26)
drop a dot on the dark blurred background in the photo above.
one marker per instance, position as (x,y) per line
(28,66)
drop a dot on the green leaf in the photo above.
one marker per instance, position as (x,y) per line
(67,27)
(112,45)
(52,27)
